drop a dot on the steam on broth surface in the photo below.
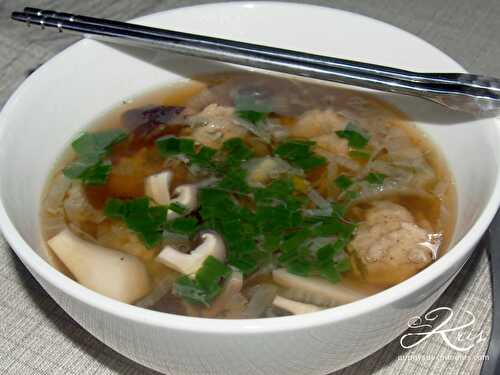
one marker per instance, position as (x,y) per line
(246,196)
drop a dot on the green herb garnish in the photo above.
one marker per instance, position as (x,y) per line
(327,266)
(356,137)
(234,181)
(375,178)
(92,148)
(89,170)
(252,116)
(148,222)
(171,145)
(349,196)
(206,284)
(299,153)
(343,182)
(234,177)
(251,110)
(183,225)
(177,208)
(98,143)
(237,151)
(362,155)
(258,224)
(300,266)
(205,155)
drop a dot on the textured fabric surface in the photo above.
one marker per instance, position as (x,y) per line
(37,337)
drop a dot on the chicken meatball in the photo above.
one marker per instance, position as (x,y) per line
(320,126)
(214,125)
(388,246)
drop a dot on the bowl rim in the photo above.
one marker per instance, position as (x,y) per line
(42,268)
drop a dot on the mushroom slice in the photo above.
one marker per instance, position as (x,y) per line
(260,298)
(317,290)
(188,264)
(157,187)
(294,307)
(186,196)
(110,272)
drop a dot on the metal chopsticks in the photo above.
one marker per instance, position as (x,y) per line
(278,52)
(470,93)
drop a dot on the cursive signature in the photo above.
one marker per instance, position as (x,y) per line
(443,329)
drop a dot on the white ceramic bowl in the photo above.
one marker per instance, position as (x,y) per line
(89,78)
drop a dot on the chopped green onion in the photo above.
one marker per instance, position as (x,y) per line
(300,153)
(237,151)
(88,171)
(300,267)
(356,137)
(98,143)
(206,284)
(343,182)
(327,252)
(356,154)
(234,181)
(259,224)
(171,145)
(375,178)
(246,263)
(330,272)
(350,196)
(252,116)
(92,148)
(184,225)
(251,110)
(148,222)
(177,208)
(205,154)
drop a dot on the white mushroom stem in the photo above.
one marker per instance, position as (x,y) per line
(110,272)
(318,290)
(188,264)
(157,187)
(187,197)
(294,307)
(232,286)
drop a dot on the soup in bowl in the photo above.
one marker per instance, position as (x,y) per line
(434,186)
(248,196)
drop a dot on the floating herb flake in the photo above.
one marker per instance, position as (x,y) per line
(357,138)
(362,155)
(251,110)
(206,284)
(375,178)
(299,153)
(343,182)
(92,148)
(148,222)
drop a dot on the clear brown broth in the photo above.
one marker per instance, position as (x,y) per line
(131,185)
